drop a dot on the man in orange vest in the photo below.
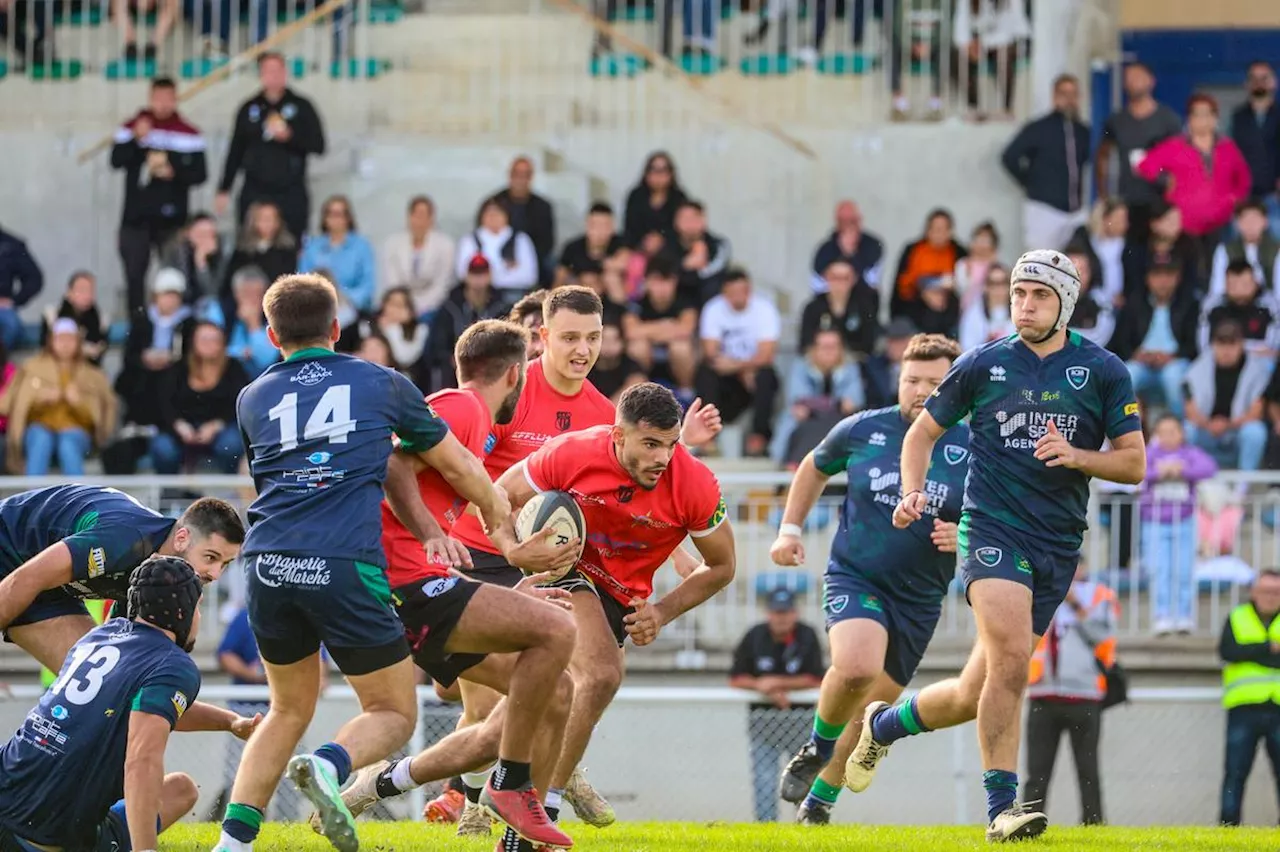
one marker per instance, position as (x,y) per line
(1066,689)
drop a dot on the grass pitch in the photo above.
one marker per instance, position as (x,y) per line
(721,837)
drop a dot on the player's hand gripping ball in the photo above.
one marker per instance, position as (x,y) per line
(551,522)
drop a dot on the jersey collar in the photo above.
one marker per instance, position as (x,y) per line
(310,352)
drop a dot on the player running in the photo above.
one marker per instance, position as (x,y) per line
(883,586)
(65,544)
(641,492)
(1040,403)
(508,640)
(85,772)
(317,427)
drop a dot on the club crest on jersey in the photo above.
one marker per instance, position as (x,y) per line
(837,605)
(1078,377)
(989,556)
(953,454)
(311,374)
(563,420)
(625,493)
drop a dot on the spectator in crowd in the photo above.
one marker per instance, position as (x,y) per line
(16,16)
(652,245)
(1250,648)
(198,408)
(880,372)
(1165,241)
(20,281)
(1202,173)
(274,133)
(167,13)
(1156,335)
(1255,127)
(1093,317)
(375,349)
(1223,400)
(158,338)
(59,406)
(420,259)
(1108,229)
(530,213)
(398,323)
(1128,135)
(1048,158)
(196,251)
(847,305)
(224,14)
(860,249)
(1251,243)
(80,305)
(245,323)
(600,242)
(1066,688)
(345,253)
(986,34)
(823,387)
(528,313)
(934,254)
(739,331)
(615,370)
(264,242)
(701,15)
(1245,303)
(513,260)
(660,333)
(474,299)
(1168,507)
(8,372)
(612,298)
(920,38)
(775,658)
(163,157)
(652,203)
(988,319)
(939,311)
(703,256)
(971,270)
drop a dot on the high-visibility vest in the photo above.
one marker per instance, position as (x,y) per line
(1250,683)
(1104,651)
(98,612)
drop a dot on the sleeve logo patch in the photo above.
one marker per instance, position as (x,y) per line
(718,515)
(179,703)
(97,562)
(1131,409)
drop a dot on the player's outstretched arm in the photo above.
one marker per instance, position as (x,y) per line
(144,776)
(48,569)
(211,717)
(806,487)
(917,448)
(467,475)
(719,561)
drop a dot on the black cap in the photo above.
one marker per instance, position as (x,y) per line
(781,600)
(1227,331)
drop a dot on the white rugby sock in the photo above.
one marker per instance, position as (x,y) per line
(477,780)
(401,778)
(230,844)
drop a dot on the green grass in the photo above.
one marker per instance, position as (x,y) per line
(722,837)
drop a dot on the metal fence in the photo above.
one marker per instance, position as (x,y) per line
(698,765)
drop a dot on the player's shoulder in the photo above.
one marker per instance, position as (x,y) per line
(599,404)
(862,424)
(991,352)
(687,470)
(1090,354)
(957,434)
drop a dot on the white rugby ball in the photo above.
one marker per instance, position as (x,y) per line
(557,510)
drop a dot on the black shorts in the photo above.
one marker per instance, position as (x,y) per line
(493,568)
(614,612)
(430,610)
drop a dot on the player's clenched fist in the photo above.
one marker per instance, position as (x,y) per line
(645,623)
(1054,451)
(945,535)
(787,551)
(910,508)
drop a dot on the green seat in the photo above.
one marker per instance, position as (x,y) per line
(635,14)
(385,13)
(195,69)
(4,69)
(618,65)
(59,69)
(130,69)
(769,65)
(359,68)
(842,64)
(701,65)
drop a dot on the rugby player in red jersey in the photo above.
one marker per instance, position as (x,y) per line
(512,641)
(641,493)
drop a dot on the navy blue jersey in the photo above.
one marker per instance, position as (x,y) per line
(1010,395)
(868,446)
(318,431)
(64,768)
(108,532)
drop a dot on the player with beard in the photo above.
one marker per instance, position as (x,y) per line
(641,493)
(557,399)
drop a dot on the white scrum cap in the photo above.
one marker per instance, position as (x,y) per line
(1052,269)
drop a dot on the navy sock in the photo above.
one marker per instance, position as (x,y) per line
(510,775)
(894,723)
(1002,790)
(824,736)
(336,755)
(242,822)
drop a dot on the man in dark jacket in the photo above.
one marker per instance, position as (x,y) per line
(1255,127)
(1047,158)
(532,214)
(1156,335)
(274,133)
(20,280)
(703,256)
(162,157)
(860,249)
(473,300)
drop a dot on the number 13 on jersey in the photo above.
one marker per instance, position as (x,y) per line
(331,418)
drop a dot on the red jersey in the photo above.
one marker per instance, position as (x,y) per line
(541,414)
(630,531)
(469,419)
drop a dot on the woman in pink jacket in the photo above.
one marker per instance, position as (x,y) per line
(1204,174)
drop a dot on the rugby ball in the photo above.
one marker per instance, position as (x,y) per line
(557,510)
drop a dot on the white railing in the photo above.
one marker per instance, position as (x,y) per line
(932,779)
